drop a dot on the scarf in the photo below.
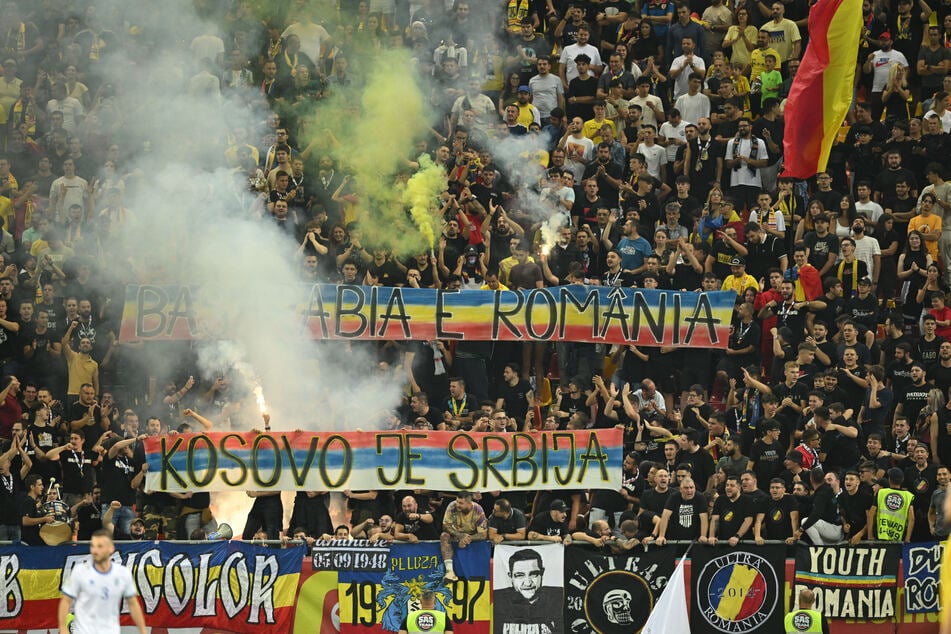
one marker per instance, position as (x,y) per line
(754,152)
(292,64)
(702,153)
(855,274)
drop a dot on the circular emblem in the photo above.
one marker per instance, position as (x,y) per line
(425,621)
(618,602)
(737,592)
(802,621)
(894,501)
(777,515)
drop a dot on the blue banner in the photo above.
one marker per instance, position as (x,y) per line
(922,566)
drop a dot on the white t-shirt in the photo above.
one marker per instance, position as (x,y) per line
(680,84)
(207,47)
(74,194)
(945,119)
(656,156)
(744,175)
(570,52)
(647,113)
(545,91)
(97,597)
(575,150)
(871,209)
(693,107)
(72,110)
(669,131)
(865,250)
(881,65)
(312,36)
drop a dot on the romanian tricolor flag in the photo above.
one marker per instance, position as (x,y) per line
(822,90)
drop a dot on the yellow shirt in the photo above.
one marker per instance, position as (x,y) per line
(927,225)
(740,284)
(81,369)
(758,60)
(592,129)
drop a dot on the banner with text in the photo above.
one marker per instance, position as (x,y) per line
(737,589)
(370,600)
(853,581)
(564,313)
(613,594)
(361,461)
(226,585)
(528,588)
(922,567)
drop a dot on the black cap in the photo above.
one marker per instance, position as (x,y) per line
(558,505)
(737,261)
(866,280)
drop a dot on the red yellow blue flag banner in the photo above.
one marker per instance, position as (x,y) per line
(229,586)
(737,589)
(822,89)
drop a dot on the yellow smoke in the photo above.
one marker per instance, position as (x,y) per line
(370,132)
(420,194)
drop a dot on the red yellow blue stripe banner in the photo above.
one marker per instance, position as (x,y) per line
(580,313)
(396,460)
(230,586)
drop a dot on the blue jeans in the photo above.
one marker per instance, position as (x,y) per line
(122,518)
(9,533)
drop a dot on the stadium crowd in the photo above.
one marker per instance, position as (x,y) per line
(657,129)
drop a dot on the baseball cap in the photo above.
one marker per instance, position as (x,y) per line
(866,280)
(524,88)
(558,505)
(737,261)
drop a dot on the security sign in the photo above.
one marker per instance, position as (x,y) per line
(425,621)
(802,621)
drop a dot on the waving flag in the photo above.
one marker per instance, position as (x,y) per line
(822,90)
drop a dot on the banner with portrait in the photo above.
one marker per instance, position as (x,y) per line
(922,567)
(528,589)
(852,581)
(613,594)
(595,314)
(375,600)
(737,589)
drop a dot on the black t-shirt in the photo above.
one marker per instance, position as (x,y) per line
(776,514)
(820,248)
(117,474)
(913,399)
(684,520)
(841,451)
(587,210)
(89,517)
(11,489)
(79,476)
(422,530)
(653,501)
(28,507)
(578,87)
(768,461)
(732,515)
(516,399)
(506,526)
(545,525)
(927,351)
(701,464)
(854,509)
(91,433)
